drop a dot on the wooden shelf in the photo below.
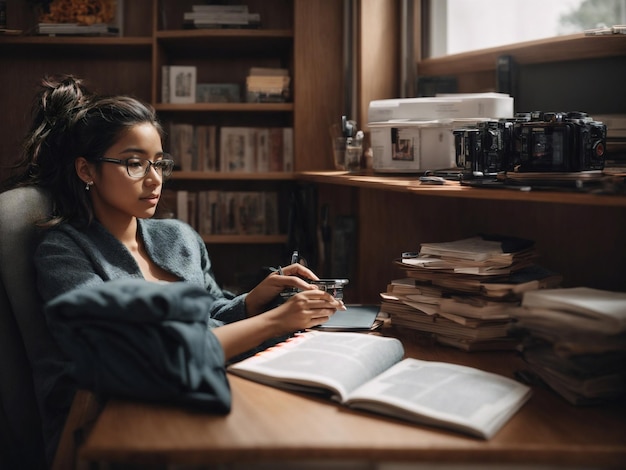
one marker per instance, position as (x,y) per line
(245,239)
(227,176)
(559,49)
(72,42)
(224,42)
(453,189)
(226,107)
(204,34)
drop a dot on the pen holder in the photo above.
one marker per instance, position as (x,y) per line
(347,151)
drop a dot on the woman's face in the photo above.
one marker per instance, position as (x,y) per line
(118,197)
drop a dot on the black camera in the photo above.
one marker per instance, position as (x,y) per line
(559,142)
(532,142)
(484,149)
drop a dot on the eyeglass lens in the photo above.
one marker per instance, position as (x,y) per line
(138,167)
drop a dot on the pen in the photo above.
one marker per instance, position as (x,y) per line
(280,270)
(294,257)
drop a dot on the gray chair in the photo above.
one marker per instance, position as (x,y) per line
(24,338)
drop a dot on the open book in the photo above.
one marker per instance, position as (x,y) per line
(368,372)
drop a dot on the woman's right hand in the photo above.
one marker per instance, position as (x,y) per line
(292,277)
(304,310)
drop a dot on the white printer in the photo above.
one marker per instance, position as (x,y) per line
(413,135)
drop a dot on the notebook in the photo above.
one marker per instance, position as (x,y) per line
(356,317)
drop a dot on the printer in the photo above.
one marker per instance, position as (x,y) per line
(414,135)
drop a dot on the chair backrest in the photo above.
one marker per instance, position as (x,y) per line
(24,338)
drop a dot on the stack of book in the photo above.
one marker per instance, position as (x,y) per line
(268,85)
(220,16)
(575,341)
(461,292)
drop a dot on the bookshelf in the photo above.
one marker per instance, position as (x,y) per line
(291,33)
(580,235)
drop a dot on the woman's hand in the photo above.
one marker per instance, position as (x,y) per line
(270,287)
(303,310)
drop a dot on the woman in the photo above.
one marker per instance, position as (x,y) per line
(101,159)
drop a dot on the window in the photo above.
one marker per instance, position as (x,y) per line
(456,26)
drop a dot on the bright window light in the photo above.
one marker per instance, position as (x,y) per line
(464,25)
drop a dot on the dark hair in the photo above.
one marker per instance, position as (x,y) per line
(69,122)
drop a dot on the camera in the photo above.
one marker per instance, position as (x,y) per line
(484,149)
(560,142)
(532,142)
(333,286)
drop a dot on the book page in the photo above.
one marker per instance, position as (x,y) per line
(441,394)
(335,361)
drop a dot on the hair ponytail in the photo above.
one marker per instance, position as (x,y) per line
(68,122)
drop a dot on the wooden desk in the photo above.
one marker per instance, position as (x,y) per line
(268,425)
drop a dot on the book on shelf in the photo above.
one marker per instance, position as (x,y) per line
(237,149)
(220,8)
(77,29)
(268,71)
(182,146)
(218,93)
(216,212)
(205,137)
(256,149)
(369,372)
(178,84)
(221,16)
(288,149)
(265,84)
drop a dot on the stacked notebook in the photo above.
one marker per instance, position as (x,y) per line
(575,341)
(461,292)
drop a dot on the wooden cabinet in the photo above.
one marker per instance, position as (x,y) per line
(580,236)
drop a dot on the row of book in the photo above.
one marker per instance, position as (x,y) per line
(215,212)
(241,149)
(460,293)
(220,16)
(179,85)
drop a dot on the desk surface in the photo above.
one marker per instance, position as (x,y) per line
(272,425)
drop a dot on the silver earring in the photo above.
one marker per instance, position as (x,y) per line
(88,186)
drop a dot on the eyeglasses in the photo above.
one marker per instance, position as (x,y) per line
(139,167)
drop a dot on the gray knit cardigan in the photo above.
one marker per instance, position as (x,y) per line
(121,335)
